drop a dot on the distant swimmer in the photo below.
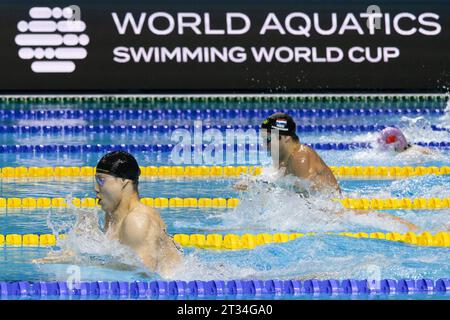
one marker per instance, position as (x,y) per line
(298,160)
(127,219)
(295,158)
(393,139)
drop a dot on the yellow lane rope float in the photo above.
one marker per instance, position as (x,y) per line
(396,203)
(250,241)
(348,172)
(355,204)
(247,241)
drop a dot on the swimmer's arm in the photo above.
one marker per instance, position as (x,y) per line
(62,256)
(301,169)
(140,234)
(300,166)
(329,181)
(409,225)
(422,150)
(149,240)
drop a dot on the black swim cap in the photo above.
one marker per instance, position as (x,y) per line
(120,164)
(281,122)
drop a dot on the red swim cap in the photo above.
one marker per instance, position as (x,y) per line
(391,139)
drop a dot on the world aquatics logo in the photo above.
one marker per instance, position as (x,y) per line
(53,39)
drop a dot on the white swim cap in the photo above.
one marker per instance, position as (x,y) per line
(391,136)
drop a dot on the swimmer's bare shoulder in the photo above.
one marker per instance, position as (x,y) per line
(141,226)
(303,162)
(309,153)
(306,163)
(144,231)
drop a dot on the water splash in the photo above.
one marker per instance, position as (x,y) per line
(320,257)
(444,121)
(392,158)
(271,206)
(89,244)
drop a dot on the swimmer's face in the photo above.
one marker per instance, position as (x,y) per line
(268,140)
(109,190)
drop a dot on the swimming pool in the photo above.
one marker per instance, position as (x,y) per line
(76,131)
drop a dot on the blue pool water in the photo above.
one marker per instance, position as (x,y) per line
(262,211)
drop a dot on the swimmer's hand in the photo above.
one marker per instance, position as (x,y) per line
(241,186)
(244,185)
(56,257)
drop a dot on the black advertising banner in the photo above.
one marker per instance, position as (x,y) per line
(214,46)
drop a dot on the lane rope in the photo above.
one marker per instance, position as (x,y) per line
(202,113)
(214,288)
(355,172)
(167,129)
(248,241)
(250,98)
(132,148)
(356,204)
(395,203)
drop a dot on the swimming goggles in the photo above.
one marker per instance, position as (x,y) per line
(100,180)
(269,138)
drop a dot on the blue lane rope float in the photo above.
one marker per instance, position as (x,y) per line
(88,148)
(222,113)
(217,288)
(127,129)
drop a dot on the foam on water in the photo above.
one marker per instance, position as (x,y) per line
(96,253)
(89,245)
(270,206)
(319,257)
(391,158)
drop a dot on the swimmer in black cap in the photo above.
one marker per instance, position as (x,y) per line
(295,158)
(303,162)
(127,219)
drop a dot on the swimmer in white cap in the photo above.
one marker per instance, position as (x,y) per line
(393,139)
